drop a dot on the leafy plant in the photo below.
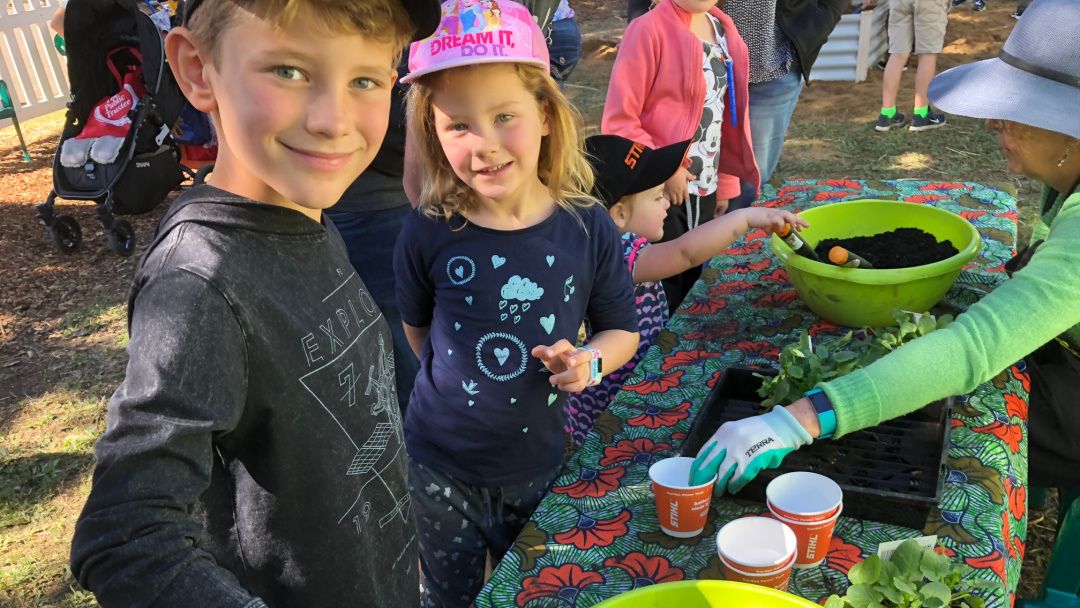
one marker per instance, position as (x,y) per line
(803,364)
(912,577)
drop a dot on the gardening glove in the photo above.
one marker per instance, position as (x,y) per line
(739,450)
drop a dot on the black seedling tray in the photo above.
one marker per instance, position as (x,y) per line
(891,473)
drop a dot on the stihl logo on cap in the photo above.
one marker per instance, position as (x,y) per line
(633,155)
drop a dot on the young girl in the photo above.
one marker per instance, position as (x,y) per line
(496,270)
(634,195)
(656,98)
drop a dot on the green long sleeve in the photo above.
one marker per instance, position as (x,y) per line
(1039,303)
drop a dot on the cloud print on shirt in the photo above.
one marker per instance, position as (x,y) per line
(521,288)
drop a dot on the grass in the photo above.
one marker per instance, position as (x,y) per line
(45,457)
(964,150)
(98,316)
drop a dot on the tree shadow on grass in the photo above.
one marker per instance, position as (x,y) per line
(30,481)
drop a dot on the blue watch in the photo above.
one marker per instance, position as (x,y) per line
(825,412)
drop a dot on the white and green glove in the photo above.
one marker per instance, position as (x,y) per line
(739,450)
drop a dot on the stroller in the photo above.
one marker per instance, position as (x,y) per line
(116,148)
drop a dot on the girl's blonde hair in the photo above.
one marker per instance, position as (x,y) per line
(562,165)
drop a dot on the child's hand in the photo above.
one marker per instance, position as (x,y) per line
(676,189)
(569,366)
(772,220)
(721,207)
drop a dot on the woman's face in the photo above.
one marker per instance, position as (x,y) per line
(1028,150)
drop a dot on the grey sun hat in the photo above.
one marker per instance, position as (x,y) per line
(1035,80)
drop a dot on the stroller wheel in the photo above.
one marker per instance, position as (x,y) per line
(66,234)
(122,238)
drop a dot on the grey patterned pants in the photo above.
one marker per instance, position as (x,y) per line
(459,524)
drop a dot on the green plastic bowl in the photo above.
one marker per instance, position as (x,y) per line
(860,296)
(706,594)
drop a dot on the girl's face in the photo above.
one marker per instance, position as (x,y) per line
(490,127)
(1028,150)
(643,213)
(695,6)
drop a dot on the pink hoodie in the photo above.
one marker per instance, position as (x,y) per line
(657,91)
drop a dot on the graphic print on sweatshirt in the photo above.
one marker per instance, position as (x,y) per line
(351,376)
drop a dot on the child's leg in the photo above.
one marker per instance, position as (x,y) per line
(452,545)
(890,83)
(564,47)
(931,20)
(923,75)
(901,39)
(459,524)
(510,509)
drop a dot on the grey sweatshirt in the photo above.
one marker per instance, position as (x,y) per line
(254,450)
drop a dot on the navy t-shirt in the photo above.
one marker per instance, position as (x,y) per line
(482,409)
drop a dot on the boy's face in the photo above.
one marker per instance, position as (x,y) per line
(301,111)
(490,128)
(642,213)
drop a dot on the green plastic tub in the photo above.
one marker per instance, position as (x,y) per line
(859,296)
(706,594)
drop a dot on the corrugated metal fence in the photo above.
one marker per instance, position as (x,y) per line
(859,40)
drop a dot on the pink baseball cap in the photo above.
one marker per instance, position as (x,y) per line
(479,31)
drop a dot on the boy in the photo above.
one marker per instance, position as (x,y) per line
(919,24)
(253,454)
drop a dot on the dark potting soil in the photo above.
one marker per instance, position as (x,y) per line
(900,248)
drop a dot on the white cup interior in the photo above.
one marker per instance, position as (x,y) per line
(757,542)
(674,473)
(804,493)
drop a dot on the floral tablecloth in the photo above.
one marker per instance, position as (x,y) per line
(596,534)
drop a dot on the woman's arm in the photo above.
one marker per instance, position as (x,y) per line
(1037,304)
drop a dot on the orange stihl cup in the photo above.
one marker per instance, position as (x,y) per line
(757,550)
(682,509)
(810,505)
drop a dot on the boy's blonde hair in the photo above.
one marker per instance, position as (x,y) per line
(562,165)
(382,20)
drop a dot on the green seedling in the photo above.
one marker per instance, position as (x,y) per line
(803,365)
(913,577)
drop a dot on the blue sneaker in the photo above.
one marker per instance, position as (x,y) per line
(884,123)
(933,120)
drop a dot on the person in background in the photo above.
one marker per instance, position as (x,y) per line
(564,43)
(656,98)
(57,20)
(369,217)
(1028,95)
(634,195)
(784,38)
(918,24)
